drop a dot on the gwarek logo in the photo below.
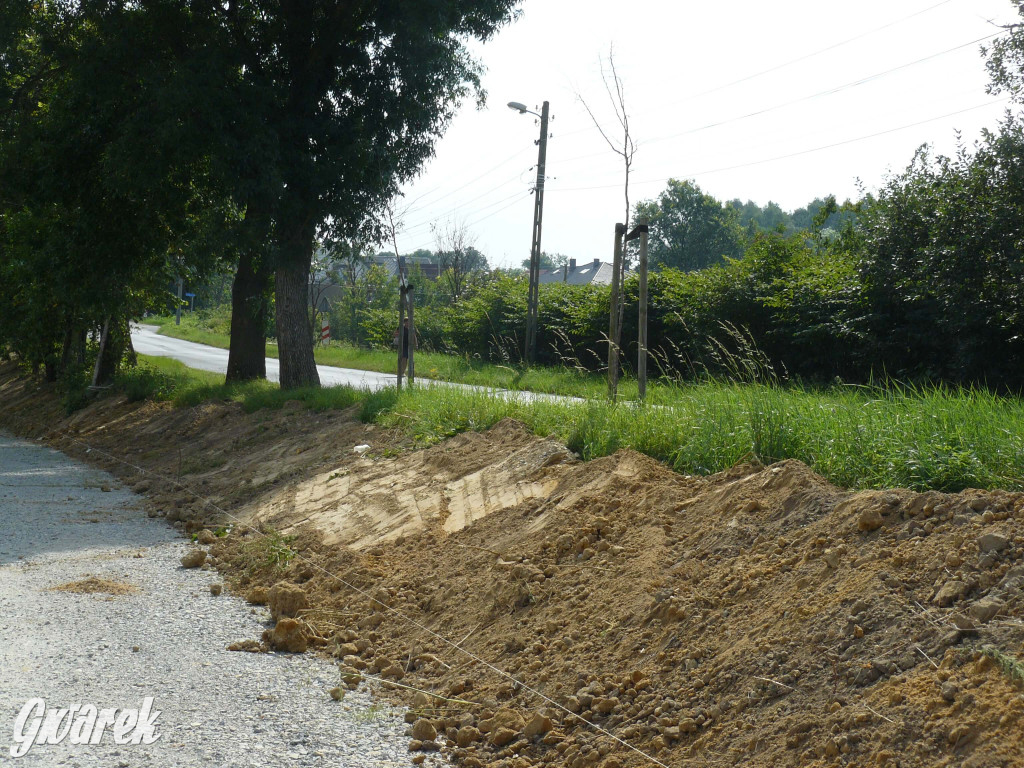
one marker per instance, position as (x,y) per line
(82,724)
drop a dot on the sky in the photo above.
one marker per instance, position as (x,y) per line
(780,102)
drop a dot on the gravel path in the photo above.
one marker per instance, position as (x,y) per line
(61,521)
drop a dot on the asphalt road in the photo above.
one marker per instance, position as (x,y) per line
(148,342)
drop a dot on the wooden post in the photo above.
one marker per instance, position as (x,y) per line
(641,363)
(401,323)
(412,336)
(613,316)
(177,310)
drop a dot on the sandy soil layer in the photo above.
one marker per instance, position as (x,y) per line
(612,613)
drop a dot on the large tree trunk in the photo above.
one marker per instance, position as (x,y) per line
(294,340)
(114,340)
(67,349)
(248,349)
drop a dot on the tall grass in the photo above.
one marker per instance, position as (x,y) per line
(933,438)
(923,439)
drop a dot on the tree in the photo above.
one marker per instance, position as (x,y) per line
(690,229)
(617,97)
(103,205)
(355,93)
(549,261)
(1005,60)
(943,264)
(456,255)
(349,264)
(624,147)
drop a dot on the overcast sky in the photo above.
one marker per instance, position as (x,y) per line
(763,101)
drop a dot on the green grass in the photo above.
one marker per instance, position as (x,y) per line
(857,437)
(933,439)
(212,327)
(169,379)
(1012,668)
(268,552)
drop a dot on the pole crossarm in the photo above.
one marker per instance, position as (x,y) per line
(638,230)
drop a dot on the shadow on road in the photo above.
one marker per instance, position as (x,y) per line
(51,504)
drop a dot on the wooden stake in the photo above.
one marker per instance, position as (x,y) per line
(613,315)
(412,337)
(641,363)
(401,324)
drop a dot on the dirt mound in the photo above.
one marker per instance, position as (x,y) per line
(759,617)
(366,501)
(750,618)
(94,584)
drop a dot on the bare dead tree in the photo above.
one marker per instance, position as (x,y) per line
(624,147)
(393,217)
(457,255)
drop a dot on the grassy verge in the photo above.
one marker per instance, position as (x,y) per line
(212,329)
(929,439)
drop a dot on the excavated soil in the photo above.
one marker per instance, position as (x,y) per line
(92,585)
(610,613)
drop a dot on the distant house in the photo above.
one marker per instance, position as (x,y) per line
(431,271)
(594,272)
(322,291)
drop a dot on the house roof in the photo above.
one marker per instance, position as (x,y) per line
(431,271)
(594,272)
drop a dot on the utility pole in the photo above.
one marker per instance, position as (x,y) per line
(530,343)
(538,214)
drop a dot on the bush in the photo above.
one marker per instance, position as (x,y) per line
(145,383)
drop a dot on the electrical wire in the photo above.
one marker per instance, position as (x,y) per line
(807,56)
(786,156)
(433,219)
(450,214)
(519,197)
(783,65)
(783,105)
(469,183)
(820,94)
(739,118)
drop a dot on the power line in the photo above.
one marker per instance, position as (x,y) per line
(708,126)
(783,105)
(811,55)
(827,92)
(495,213)
(519,198)
(789,155)
(783,65)
(427,222)
(508,159)
(820,94)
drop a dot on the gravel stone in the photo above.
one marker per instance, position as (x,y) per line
(168,640)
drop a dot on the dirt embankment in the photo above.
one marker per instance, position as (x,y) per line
(760,617)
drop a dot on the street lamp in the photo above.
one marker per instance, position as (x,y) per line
(530,344)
